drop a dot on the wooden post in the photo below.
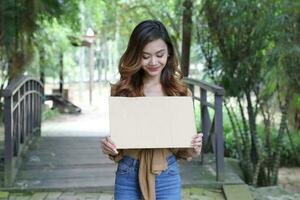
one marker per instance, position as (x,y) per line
(219,140)
(8,151)
(192,89)
(205,120)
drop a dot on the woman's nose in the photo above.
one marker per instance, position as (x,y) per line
(153,61)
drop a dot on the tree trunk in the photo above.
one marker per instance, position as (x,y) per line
(42,67)
(267,129)
(247,164)
(186,36)
(234,129)
(279,144)
(252,125)
(16,65)
(292,144)
(61,73)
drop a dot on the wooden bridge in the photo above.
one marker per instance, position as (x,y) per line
(36,163)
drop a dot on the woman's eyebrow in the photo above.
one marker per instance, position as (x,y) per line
(162,50)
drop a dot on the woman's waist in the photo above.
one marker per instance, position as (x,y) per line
(131,156)
(135,153)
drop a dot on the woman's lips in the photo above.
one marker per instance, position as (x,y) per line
(153,69)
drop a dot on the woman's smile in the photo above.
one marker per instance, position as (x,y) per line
(153,69)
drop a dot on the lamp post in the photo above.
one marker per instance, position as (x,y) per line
(90,36)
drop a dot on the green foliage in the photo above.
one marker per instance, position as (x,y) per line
(288,157)
(252,48)
(240,30)
(48,113)
(50,42)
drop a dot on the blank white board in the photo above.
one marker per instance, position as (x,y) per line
(151,122)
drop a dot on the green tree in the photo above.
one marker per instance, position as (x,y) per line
(240,32)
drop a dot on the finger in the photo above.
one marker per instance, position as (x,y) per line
(106,149)
(110,148)
(197,140)
(108,139)
(109,152)
(199,144)
(197,137)
(112,144)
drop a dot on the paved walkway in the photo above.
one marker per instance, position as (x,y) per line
(92,121)
(187,194)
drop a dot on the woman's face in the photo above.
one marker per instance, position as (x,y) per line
(154,57)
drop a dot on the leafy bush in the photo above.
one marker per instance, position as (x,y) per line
(288,157)
(48,113)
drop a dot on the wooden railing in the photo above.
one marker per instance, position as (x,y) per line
(22,118)
(212,131)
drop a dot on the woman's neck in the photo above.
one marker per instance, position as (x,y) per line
(151,80)
(152,87)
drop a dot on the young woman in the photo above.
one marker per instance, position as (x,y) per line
(149,67)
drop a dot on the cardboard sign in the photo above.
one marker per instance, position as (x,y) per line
(151,122)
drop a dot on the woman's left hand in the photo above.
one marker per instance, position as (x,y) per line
(196,143)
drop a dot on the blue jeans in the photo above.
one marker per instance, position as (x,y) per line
(167,184)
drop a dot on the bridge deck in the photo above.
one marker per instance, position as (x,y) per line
(77,164)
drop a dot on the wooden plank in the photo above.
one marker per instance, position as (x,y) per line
(106,196)
(66,162)
(59,149)
(66,145)
(52,166)
(88,196)
(90,184)
(66,152)
(41,174)
(52,155)
(53,195)
(68,139)
(237,192)
(67,196)
(39,196)
(87,170)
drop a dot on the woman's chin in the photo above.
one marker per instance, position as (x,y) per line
(153,74)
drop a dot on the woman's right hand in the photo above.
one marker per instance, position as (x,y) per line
(108,146)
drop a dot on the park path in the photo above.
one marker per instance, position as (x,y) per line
(92,121)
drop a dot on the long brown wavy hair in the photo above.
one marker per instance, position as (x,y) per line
(130,69)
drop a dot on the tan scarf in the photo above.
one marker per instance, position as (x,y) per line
(152,162)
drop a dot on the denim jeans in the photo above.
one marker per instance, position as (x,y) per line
(167,184)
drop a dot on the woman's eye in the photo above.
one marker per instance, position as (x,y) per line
(161,55)
(146,57)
